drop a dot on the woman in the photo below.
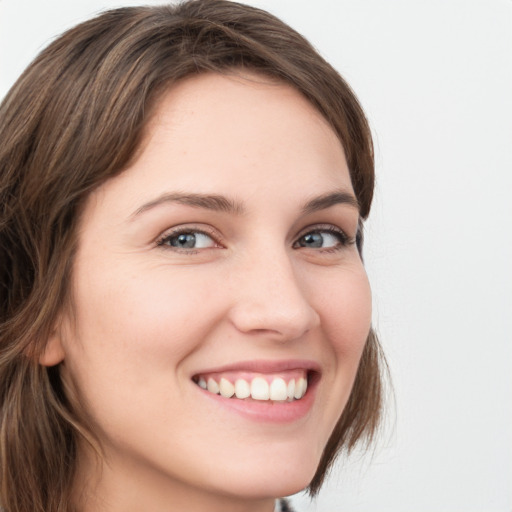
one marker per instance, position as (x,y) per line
(185,312)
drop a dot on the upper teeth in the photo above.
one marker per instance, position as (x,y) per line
(259,388)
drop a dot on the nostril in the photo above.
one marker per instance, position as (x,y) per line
(275,320)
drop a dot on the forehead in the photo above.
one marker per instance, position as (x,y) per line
(233,135)
(248,114)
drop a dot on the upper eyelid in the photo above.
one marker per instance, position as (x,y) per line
(322,227)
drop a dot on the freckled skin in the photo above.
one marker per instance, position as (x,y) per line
(150,315)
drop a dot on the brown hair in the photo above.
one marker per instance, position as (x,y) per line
(74,119)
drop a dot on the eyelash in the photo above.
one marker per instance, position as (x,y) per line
(343,239)
(161,242)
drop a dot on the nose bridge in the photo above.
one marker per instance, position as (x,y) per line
(270,297)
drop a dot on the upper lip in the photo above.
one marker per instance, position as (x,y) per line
(265,366)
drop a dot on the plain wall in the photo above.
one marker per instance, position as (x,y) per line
(435,78)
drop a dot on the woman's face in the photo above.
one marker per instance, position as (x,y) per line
(224,256)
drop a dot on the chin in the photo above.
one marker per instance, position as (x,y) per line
(282,475)
(264,487)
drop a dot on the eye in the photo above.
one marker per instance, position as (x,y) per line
(328,238)
(187,239)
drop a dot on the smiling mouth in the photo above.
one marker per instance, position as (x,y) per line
(287,386)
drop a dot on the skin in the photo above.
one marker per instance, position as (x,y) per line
(148,316)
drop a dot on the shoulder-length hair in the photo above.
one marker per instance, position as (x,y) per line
(74,119)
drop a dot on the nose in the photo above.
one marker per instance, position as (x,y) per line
(270,299)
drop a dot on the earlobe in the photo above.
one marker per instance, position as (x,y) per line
(53,352)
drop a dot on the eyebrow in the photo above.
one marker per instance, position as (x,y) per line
(330,199)
(206,201)
(221,203)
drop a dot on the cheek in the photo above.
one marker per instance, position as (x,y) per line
(345,305)
(343,300)
(153,316)
(129,339)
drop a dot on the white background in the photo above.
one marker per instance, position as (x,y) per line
(435,78)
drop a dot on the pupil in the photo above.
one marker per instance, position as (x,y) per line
(313,240)
(187,241)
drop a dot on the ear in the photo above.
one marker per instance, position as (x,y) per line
(53,352)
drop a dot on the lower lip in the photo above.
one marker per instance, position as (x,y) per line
(266,410)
